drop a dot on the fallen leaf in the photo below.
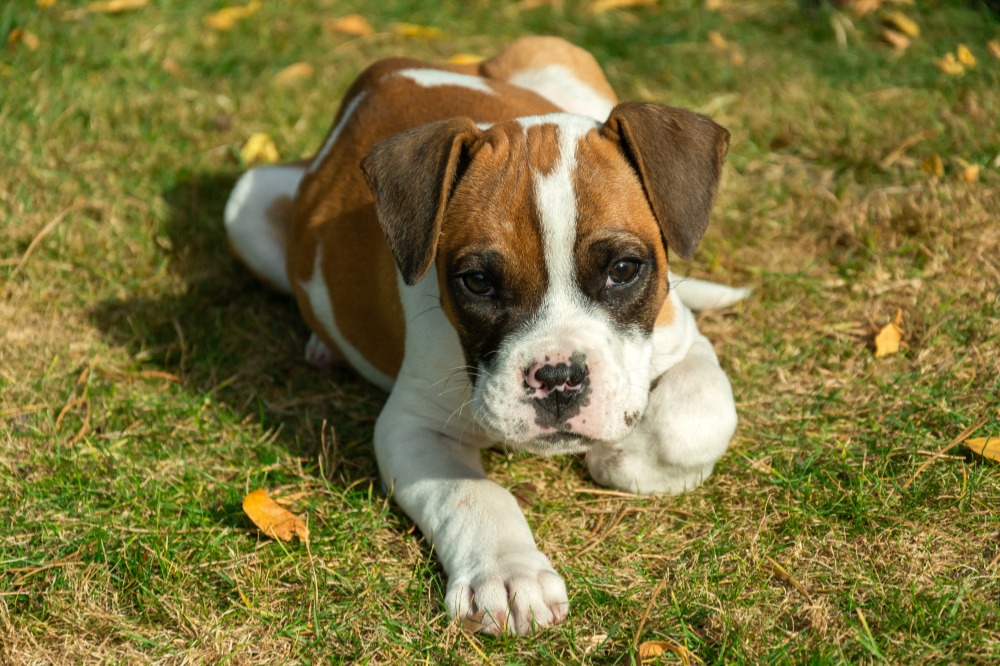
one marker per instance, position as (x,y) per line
(890,337)
(273,520)
(259,149)
(896,40)
(650,650)
(414,30)
(466,59)
(352,24)
(950,65)
(933,165)
(116,6)
(293,73)
(602,6)
(862,7)
(994,47)
(717,41)
(964,56)
(987,447)
(226,18)
(969,172)
(902,23)
(45,4)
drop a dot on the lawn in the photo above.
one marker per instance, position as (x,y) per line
(148,382)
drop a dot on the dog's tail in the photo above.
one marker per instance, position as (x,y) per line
(258,216)
(704,295)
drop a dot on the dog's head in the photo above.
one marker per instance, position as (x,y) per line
(549,237)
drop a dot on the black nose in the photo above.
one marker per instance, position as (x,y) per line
(561,376)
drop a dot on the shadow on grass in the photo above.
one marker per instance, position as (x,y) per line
(229,338)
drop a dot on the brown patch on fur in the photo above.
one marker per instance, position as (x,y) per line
(667,313)
(613,207)
(544,152)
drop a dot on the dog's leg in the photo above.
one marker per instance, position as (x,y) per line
(258,215)
(498,581)
(685,429)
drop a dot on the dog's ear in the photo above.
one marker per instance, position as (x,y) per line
(678,155)
(411,176)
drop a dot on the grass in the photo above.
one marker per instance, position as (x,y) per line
(147,382)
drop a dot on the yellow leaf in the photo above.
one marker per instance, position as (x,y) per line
(414,30)
(896,40)
(293,73)
(994,46)
(650,650)
(950,65)
(45,4)
(273,520)
(259,149)
(465,59)
(933,165)
(902,23)
(862,7)
(116,6)
(889,337)
(965,56)
(226,18)
(602,6)
(969,173)
(987,447)
(717,41)
(352,24)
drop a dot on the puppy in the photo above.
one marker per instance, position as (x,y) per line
(488,244)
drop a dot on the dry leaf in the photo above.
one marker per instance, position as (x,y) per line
(22,36)
(950,65)
(890,337)
(712,5)
(933,165)
(969,172)
(965,56)
(896,40)
(987,447)
(226,18)
(116,6)
(602,6)
(352,24)
(259,149)
(414,30)
(861,7)
(994,47)
(902,23)
(45,4)
(717,41)
(272,519)
(650,650)
(293,73)
(466,59)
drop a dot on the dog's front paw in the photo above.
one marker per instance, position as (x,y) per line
(516,594)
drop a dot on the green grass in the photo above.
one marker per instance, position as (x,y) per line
(147,382)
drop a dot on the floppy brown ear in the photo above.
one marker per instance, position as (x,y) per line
(411,176)
(679,156)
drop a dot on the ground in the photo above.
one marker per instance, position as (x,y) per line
(147,382)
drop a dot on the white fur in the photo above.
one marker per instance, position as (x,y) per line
(432,78)
(319,300)
(335,132)
(254,237)
(557,84)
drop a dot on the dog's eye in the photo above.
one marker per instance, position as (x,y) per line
(622,271)
(478,284)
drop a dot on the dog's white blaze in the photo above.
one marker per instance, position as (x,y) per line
(557,84)
(556,201)
(332,139)
(431,78)
(319,300)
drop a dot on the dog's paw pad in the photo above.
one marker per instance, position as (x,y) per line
(515,598)
(318,354)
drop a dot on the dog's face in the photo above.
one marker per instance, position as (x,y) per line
(551,262)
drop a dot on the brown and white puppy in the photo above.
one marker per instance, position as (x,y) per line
(489,244)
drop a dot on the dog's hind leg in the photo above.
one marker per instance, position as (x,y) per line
(258,215)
